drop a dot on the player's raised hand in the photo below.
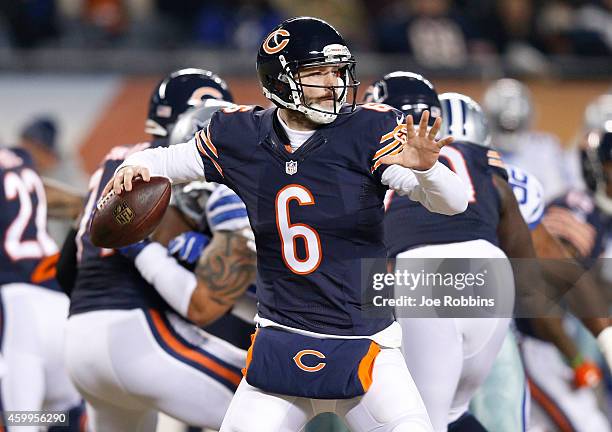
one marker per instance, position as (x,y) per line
(123,179)
(421,149)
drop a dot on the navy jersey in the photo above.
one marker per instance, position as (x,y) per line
(28,254)
(105,278)
(576,219)
(408,224)
(314,212)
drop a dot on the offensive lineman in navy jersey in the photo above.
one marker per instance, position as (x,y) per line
(126,328)
(454,354)
(313,174)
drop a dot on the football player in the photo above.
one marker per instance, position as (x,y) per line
(32,310)
(129,350)
(579,219)
(464,120)
(313,173)
(501,403)
(470,345)
(509,108)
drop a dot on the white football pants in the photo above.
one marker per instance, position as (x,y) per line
(32,373)
(449,358)
(130,364)
(392,404)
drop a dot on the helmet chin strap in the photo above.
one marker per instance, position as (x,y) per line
(315,116)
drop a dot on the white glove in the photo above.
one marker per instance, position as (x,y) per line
(604,340)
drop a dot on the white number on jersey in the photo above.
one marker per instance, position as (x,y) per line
(289,232)
(457,164)
(21,186)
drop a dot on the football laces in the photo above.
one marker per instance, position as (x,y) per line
(105,199)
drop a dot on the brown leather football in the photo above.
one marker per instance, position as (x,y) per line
(120,220)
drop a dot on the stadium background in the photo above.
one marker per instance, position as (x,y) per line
(91,64)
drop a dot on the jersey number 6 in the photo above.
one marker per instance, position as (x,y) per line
(290,232)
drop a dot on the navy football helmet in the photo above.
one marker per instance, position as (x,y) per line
(408,92)
(463,119)
(178,92)
(299,43)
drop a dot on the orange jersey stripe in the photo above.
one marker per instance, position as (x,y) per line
(216,166)
(386,148)
(208,142)
(201,138)
(391,134)
(199,145)
(46,269)
(205,153)
(493,154)
(189,353)
(250,354)
(366,365)
(497,163)
(379,163)
(550,407)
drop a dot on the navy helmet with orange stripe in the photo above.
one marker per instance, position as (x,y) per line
(409,92)
(179,91)
(299,43)
(464,120)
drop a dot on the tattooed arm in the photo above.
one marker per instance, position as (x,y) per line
(224,272)
(222,275)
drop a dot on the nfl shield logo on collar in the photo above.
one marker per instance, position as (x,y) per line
(291,167)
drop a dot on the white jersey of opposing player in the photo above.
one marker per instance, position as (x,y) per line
(529,194)
(225,211)
(541,154)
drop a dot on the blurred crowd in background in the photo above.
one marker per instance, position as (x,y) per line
(434,31)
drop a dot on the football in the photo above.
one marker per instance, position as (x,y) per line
(120,220)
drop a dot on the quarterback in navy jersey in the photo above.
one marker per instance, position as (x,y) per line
(313,174)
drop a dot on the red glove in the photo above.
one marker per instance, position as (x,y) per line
(587,374)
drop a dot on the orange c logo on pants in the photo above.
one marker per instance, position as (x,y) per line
(298,360)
